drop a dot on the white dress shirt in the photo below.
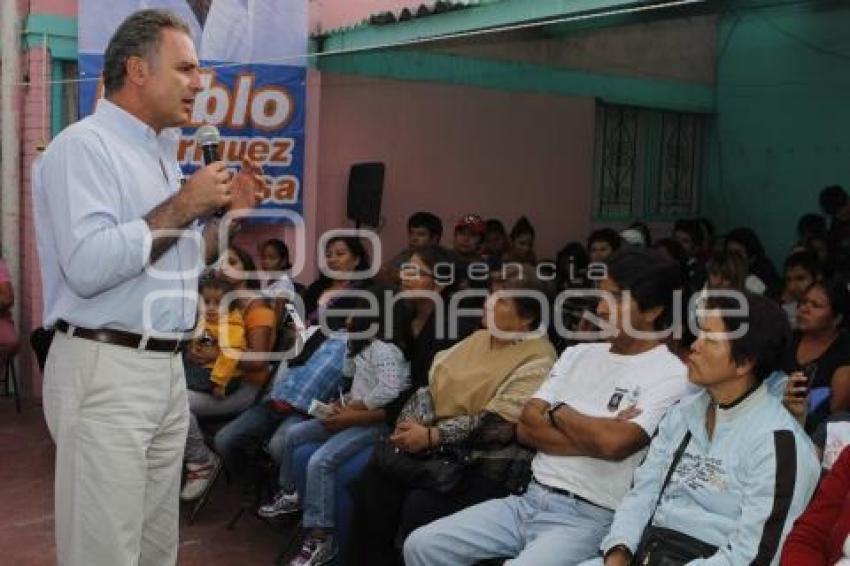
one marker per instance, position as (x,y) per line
(91,189)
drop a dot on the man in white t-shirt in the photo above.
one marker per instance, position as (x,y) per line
(590,422)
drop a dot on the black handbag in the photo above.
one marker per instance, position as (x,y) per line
(666,547)
(439,470)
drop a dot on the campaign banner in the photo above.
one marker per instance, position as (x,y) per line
(252,54)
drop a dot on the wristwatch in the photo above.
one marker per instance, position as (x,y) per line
(617,547)
(551,413)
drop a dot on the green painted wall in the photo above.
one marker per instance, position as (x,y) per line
(59,31)
(523,77)
(782,130)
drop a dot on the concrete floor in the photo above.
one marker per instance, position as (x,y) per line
(26,506)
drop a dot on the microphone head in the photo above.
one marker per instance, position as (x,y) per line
(207,135)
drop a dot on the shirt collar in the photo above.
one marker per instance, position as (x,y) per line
(695,413)
(124,121)
(743,405)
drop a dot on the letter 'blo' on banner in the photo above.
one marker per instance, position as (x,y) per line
(254,76)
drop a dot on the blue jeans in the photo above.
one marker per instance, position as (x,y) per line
(246,434)
(318,500)
(538,528)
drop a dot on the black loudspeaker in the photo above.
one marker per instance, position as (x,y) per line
(365,190)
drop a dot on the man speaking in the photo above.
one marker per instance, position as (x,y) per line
(119,243)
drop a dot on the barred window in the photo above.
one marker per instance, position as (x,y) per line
(617,167)
(681,164)
(648,163)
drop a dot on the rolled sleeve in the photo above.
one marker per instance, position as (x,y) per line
(120,252)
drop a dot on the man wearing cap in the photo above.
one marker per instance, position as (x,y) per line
(118,239)
(469,231)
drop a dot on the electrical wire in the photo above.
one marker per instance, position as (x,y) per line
(425,40)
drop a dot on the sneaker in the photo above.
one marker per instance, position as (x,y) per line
(282,504)
(199,478)
(315,552)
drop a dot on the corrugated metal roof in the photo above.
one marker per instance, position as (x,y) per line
(416,11)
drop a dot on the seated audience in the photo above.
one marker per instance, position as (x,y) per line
(468,234)
(427,293)
(821,535)
(496,241)
(645,232)
(424,230)
(809,226)
(522,243)
(275,280)
(258,326)
(762,278)
(472,402)
(633,237)
(344,256)
(274,262)
(222,337)
(819,246)
(314,374)
(379,372)
(727,270)
(835,203)
(729,470)
(801,270)
(602,243)
(707,250)
(571,266)
(691,236)
(674,251)
(820,349)
(587,449)
(427,288)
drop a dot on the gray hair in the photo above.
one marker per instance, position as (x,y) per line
(137,36)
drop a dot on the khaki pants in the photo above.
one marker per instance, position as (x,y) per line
(119,418)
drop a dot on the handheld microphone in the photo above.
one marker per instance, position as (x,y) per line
(208,138)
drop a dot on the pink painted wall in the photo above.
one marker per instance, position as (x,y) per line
(453,150)
(36,105)
(67,8)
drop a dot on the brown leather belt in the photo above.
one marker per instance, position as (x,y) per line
(122,338)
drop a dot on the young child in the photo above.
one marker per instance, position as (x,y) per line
(221,342)
(380,373)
